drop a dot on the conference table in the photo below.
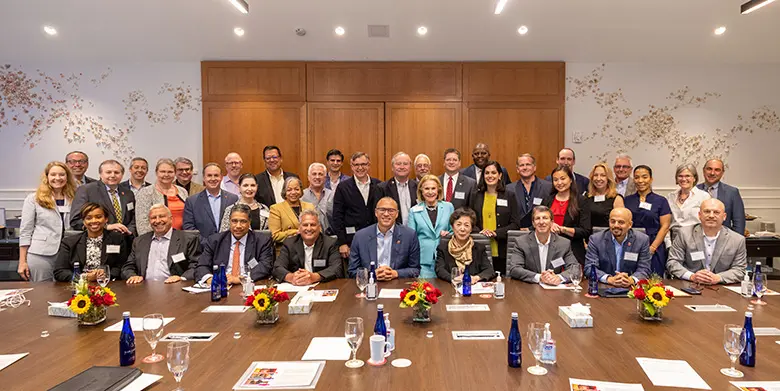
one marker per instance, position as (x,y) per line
(438,363)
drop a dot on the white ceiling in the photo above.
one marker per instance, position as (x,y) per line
(570,30)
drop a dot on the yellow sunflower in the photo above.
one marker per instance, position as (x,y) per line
(80,304)
(412,298)
(657,296)
(261,302)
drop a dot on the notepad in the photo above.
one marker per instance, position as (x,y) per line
(759,385)
(8,359)
(191,337)
(324,296)
(142,382)
(273,375)
(678,293)
(137,324)
(477,334)
(195,289)
(467,307)
(386,293)
(556,287)
(479,288)
(580,384)
(672,373)
(710,308)
(327,348)
(290,288)
(225,309)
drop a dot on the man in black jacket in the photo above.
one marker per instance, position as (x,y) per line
(271,181)
(354,202)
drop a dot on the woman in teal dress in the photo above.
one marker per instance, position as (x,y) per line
(431,220)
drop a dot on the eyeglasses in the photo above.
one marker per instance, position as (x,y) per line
(361,164)
(387,210)
(184,169)
(77,161)
(233,163)
(272,158)
(622,167)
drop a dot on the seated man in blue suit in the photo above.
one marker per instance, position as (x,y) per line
(239,249)
(393,247)
(203,212)
(728,195)
(620,255)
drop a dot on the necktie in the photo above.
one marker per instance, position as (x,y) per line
(236,267)
(117,208)
(449,190)
(711,190)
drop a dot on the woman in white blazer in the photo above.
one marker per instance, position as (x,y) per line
(44,217)
(431,220)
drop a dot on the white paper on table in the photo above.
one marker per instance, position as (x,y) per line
(8,359)
(479,288)
(137,324)
(762,331)
(605,386)
(328,348)
(765,385)
(738,290)
(141,382)
(290,288)
(672,373)
(191,337)
(710,308)
(678,293)
(225,309)
(386,293)
(324,296)
(269,375)
(467,307)
(477,334)
(195,289)
(12,292)
(558,287)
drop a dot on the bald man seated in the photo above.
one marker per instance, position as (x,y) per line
(708,253)
(620,255)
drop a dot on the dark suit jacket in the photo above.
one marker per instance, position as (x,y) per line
(581,181)
(126,185)
(389,189)
(471,172)
(601,255)
(540,189)
(216,251)
(188,245)
(507,218)
(292,257)
(405,256)
(265,192)
(74,249)
(581,225)
(89,180)
(480,264)
(197,213)
(735,208)
(525,263)
(465,184)
(349,211)
(96,192)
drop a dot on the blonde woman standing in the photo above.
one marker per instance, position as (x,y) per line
(163,191)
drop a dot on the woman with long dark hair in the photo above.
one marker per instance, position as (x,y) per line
(571,215)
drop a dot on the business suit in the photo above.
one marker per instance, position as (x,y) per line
(87,180)
(40,231)
(404,255)
(147,197)
(601,255)
(507,218)
(96,192)
(325,259)
(735,207)
(74,249)
(630,187)
(729,258)
(258,251)
(198,216)
(471,172)
(581,224)
(525,263)
(265,192)
(581,181)
(462,190)
(390,189)
(350,213)
(480,264)
(127,187)
(181,243)
(283,222)
(540,189)
(192,187)
(429,233)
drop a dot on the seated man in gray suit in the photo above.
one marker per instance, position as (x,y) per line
(165,254)
(310,256)
(394,248)
(457,187)
(239,249)
(729,195)
(708,253)
(526,262)
(620,255)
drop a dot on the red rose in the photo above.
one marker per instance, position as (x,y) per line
(642,282)
(640,294)
(669,293)
(431,298)
(249,300)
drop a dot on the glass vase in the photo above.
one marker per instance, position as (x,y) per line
(421,314)
(269,316)
(94,315)
(644,313)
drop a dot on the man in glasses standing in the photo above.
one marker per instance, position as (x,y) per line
(354,202)
(623,175)
(78,162)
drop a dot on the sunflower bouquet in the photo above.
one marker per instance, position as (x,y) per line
(652,297)
(265,301)
(420,296)
(90,302)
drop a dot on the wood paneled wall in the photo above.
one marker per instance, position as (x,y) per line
(307,108)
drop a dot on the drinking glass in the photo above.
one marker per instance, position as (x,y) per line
(536,344)
(576,277)
(457,280)
(105,277)
(178,360)
(353,331)
(244,279)
(361,277)
(153,331)
(734,343)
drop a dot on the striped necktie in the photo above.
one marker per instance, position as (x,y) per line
(117,208)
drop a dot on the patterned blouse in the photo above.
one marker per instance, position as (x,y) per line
(94,252)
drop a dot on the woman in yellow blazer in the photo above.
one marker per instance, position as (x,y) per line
(283,217)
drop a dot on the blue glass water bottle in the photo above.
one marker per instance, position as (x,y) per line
(593,282)
(223,284)
(748,356)
(216,292)
(126,342)
(379,327)
(76,276)
(515,357)
(466,282)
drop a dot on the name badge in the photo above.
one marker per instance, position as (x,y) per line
(599,198)
(460,195)
(558,262)
(500,202)
(63,208)
(264,213)
(252,263)
(629,256)
(112,249)
(697,255)
(350,230)
(645,205)
(178,257)
(537,201)
(130,206)
(416,208)
(319,263)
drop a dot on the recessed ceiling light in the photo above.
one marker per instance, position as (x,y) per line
(241,5)
(753,5)
(49,30)
(340,30)
(720,30)
(523,30)
(238,31)
(500,6)
(422,30)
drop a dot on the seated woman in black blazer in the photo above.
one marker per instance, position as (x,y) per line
(461,251)
(93,248)
(571,214)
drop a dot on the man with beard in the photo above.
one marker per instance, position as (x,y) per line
(481,156)
(620,255)
(271,181)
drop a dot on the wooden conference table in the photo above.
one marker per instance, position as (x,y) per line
(438,363)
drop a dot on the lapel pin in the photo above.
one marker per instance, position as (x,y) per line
(397,242)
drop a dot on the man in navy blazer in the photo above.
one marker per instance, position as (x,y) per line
(530,190)
(256,251)
(620,255)
(394,248)
(271,181)
(481,156)
(567,158)
(103,192)
(728,195)
(203,212)
(354,202)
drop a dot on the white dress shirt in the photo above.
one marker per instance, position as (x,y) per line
(277,182)
(686,214)
(364,189)
(308,254)
(157,265)
(404,200)
(621,187)
(477,173)
(544,248)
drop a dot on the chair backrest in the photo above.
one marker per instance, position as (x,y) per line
(69,233)
(192,233)
(511,239)
(478,238)
(599,229)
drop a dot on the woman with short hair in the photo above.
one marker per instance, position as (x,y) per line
(462,251)
(430,220)
(163,191)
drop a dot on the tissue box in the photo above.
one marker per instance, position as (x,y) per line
(573,319)
(61,310)
(300,304)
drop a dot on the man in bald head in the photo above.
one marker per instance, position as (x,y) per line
(708,253)
(620,255)
(481,156)
(233,165)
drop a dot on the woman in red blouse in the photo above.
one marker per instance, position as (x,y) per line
(571,217)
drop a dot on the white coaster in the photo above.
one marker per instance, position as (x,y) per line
(401,363)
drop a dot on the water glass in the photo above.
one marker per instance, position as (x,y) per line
(178,360)
(536,344)
(734,343)
(153,331)
(104,275)
(457,280)
(361,277)
(575,271)
(245,279)
(353,331)
(759,286)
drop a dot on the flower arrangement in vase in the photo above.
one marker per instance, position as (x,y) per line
(420,297)
(652,296)
(266,302)
(90,302)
